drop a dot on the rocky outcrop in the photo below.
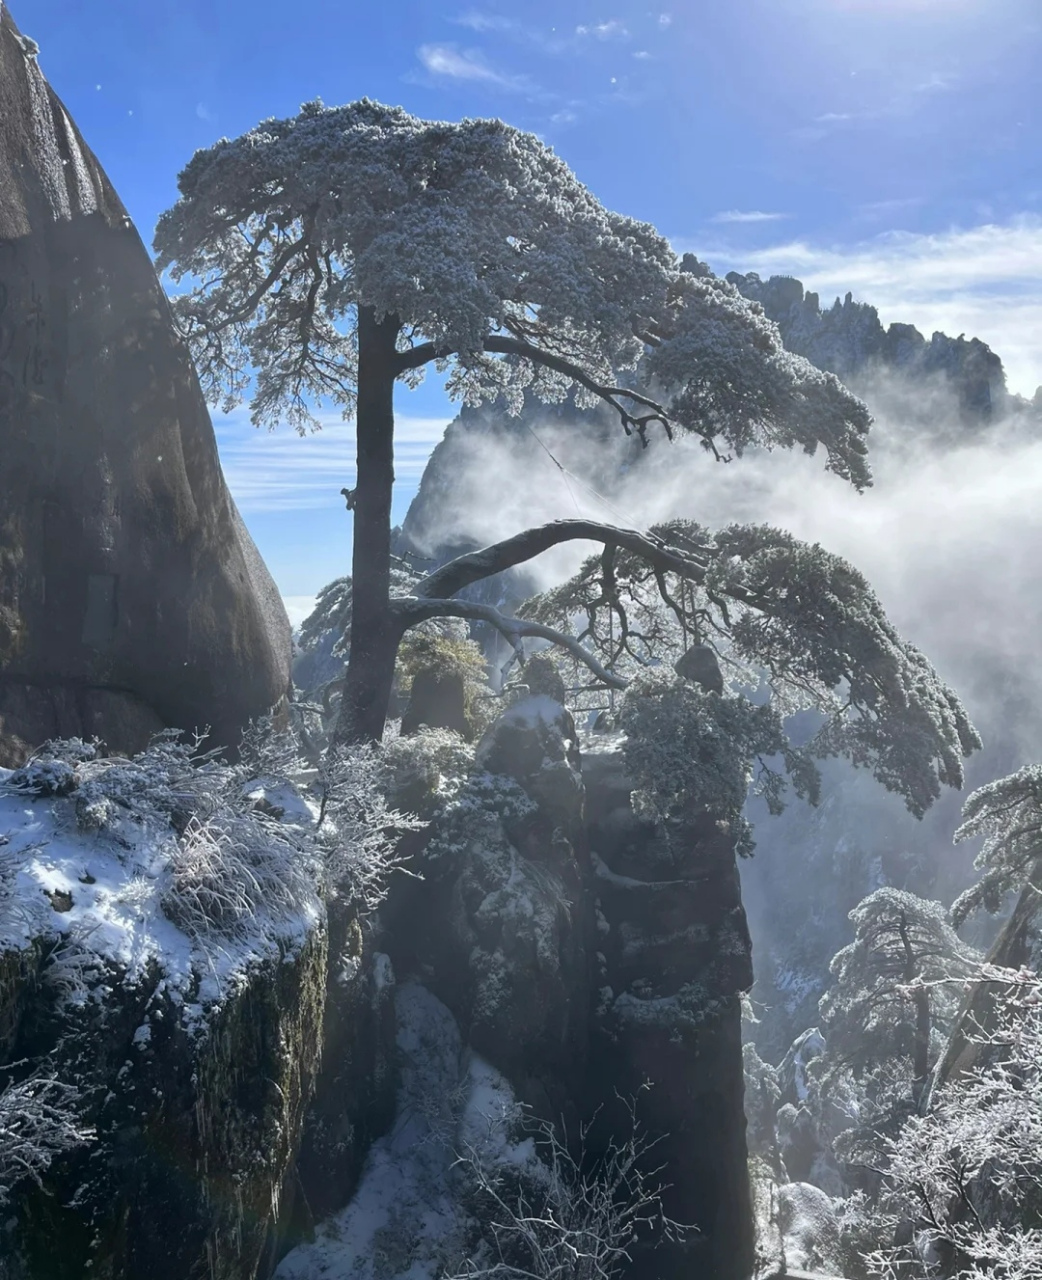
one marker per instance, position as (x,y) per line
(497,928)
(196,1126)
(849,340)
(586,957)
(674,957)
(163,961)
(131,594)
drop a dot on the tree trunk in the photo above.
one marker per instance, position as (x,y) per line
(921,997)
(375,632)
(921,1060)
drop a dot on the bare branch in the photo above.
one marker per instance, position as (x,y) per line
(477,565)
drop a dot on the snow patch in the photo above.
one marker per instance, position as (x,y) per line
(94,892)
(405,1221)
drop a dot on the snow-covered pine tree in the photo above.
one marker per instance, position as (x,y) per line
(890,984)
(1007,813)
(343,250)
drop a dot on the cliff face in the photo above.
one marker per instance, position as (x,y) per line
(585,963)
(182,1031)
(674,958)
(131,595)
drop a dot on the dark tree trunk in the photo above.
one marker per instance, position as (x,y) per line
(921,1042)
(921,1060)
(375,632)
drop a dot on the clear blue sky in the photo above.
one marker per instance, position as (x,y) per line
(891,147)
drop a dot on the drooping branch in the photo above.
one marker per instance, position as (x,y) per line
(412,610)
(614,396)
(477,565)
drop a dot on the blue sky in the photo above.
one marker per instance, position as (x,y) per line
(890,147)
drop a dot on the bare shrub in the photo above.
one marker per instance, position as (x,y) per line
(38,1121)
(565,1216)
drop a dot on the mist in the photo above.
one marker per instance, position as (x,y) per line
(949,536)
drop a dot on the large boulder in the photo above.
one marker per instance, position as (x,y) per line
(131,595)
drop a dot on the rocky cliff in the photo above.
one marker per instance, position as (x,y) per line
(131,595)
(561,956)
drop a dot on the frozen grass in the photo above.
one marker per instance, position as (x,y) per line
(178,859)
(230,869)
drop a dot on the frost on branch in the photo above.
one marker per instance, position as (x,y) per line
(965,1177)
(895,988)
(689,751)
(775,608)
(228,853)
(735,381)
(1007,813)
(38,1121)
(357,831)
(494,261)
(563,1215)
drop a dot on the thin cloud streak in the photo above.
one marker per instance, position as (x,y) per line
(613,29)
(279,472)
(468,65)
(750,215)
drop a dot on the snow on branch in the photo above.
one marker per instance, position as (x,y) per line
(38,1121)
(575,1217)
(491,258)
(1007,813)
(473,567)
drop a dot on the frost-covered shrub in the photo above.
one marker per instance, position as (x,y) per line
(51,770)
(170,782)
(562,1216)
(39,1119)
(268,750)
(229,869)
(357,831)
(425,771)
(689,751)
(229,844)
(485,803)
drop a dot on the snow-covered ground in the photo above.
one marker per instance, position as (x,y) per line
(95,875)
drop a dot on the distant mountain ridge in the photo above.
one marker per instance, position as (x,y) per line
(942,390)
(849,340)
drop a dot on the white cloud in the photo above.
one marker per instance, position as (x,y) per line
(477,21)
(750,215)
(935,83)
(447,61)
(280,471)
(298,608)
(984,281)
(613,29)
